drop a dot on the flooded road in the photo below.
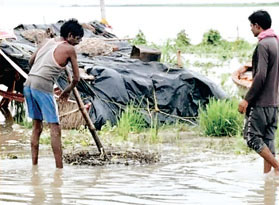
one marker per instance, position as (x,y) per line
(184,175)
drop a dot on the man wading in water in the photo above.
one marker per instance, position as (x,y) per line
(261,102)
(47,63)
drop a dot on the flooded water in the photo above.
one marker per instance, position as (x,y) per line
(189,173)
(186,173)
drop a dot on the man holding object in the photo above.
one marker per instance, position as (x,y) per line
(261,102)
(46,65)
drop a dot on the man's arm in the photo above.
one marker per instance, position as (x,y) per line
(242,70)
(260,76)
(75,79)
(258,80)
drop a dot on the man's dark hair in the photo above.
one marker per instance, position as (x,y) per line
(71,26)
(262,18)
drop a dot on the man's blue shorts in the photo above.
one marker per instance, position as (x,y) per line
(41,105)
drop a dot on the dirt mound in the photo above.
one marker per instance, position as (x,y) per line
(94,47)
(116,157)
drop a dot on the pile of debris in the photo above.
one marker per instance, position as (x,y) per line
(129,157)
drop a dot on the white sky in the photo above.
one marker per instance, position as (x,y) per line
(49,3)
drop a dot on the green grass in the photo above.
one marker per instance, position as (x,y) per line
(154,127)
(132,126)
(131,120)
(212,46)
(220,118)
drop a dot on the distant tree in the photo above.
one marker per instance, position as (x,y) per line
(212,37)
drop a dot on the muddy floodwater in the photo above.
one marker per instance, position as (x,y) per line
(188,173)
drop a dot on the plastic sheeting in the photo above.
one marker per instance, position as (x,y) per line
(120,80)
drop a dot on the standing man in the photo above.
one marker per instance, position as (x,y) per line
(261,102)
(46,65)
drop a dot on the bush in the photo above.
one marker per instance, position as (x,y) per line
(168,52)
(182,39)
(140,39)
(212,37)
(220,118)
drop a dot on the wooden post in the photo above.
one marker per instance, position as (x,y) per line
(179,62)
(103,12)
(15,66)
(87,119)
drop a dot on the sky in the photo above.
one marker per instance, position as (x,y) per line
(50,3)
(153,24)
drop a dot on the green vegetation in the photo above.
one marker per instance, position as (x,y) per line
(220,118)
(132,124)
(131,120)
(212,37)
(140,39)
(213,46)
(182,39)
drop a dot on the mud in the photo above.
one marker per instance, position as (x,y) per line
(128,157)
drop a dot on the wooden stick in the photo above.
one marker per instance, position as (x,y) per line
(87,119)
(15,66)
(74,111)
(68,113)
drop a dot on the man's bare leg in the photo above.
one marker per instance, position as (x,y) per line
(35,138)
(268,156)
(267,167)
(55,133)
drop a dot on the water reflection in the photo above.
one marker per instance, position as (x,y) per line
(43,191)
(38,189)
(266,193)
(270,187)
(56,187)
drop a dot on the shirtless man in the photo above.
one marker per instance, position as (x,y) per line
(46,65)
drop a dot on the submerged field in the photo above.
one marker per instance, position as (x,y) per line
(195,161)
(214,58)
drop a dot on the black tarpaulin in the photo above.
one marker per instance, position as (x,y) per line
(120,80)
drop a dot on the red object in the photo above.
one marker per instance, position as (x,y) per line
(6,35)
(12,96)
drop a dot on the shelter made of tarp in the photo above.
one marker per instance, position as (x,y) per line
(176,93)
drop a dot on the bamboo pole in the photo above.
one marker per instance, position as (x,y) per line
(87,119)
(15,66)
(103,12)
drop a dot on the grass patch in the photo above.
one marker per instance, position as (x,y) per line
(220,118)
(131,120)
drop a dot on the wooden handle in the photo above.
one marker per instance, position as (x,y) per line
(87,118)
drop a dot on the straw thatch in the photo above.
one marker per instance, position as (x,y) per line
(37,35)
(94,47)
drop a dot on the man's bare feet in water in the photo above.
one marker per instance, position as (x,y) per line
(273,174)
